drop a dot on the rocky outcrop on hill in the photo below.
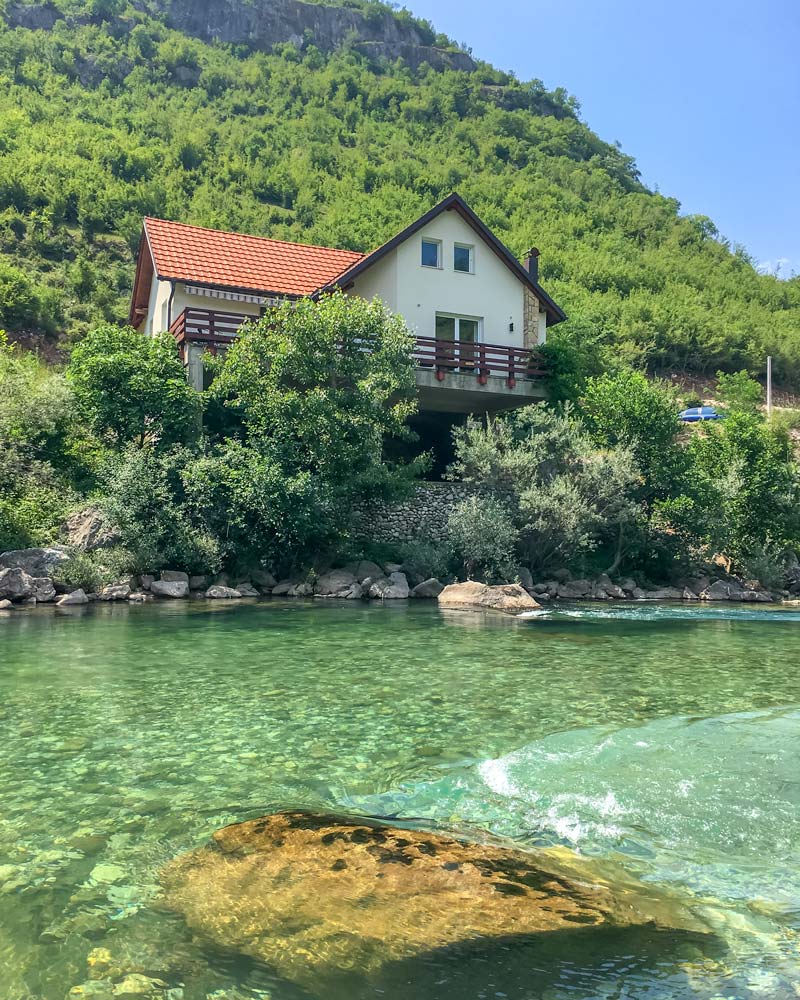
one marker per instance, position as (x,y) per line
(262,24)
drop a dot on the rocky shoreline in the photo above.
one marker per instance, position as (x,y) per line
(31,577)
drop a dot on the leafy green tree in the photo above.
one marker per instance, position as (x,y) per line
(628,409)
(319,385)
(753,471)
(39,464)
(145,499)
(20,300)
(312,392)
(738,392)
(132,388)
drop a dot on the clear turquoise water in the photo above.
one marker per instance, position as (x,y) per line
(666,739)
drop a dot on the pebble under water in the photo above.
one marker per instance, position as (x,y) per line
(665,740)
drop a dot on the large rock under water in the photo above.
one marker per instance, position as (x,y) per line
(316,895)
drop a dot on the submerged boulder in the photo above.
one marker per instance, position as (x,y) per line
(315,895)
(509,597)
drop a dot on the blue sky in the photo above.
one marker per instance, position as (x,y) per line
(704,94)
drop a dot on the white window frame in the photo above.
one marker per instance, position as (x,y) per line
(438,244)
(458,317)
(464,246)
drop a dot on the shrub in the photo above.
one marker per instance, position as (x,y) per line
(83,571)
(427,559)
(145,499)
(483,537)
(564,495)
(133,389)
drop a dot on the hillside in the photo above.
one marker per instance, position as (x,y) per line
(337,124)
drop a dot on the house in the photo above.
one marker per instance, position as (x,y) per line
(476,312)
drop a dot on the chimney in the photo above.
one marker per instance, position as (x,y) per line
(531,263)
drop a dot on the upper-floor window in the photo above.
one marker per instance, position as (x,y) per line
(463,258)
(431,253)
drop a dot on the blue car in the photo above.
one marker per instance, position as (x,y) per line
(696,413)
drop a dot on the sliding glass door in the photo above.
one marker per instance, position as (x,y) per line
(456,338)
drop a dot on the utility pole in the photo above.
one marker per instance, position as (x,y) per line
(769,387)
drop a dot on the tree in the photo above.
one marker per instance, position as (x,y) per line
(739,393)
(133,389)
(312,391)
(38,461)
(752,469)
(20,301)
(145,498)
(626,408)
(318,385)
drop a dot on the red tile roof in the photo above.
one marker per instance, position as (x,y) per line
(232,260)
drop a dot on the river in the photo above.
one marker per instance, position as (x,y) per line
(663,739)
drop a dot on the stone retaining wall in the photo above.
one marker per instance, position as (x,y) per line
(423,515)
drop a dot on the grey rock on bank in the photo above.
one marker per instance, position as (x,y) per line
(115,592)
(220,593)
(5,605)
(336,583)
(391,587)
(15,584)
(35,562)
(428,588)
(43,589)
(170,588)
(76,597)
(363,570)
(510,597)
(263,579)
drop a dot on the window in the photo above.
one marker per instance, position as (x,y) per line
(463,258)
(457,336)
(431,253)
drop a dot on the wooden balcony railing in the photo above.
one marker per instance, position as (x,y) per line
(216,329)
(207,326)
(481,359)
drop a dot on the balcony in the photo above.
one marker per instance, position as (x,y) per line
(207,326)
(452,376)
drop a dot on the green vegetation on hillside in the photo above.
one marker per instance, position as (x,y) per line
(106,121)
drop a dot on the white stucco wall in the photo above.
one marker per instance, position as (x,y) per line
(157,321)
(492,293)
